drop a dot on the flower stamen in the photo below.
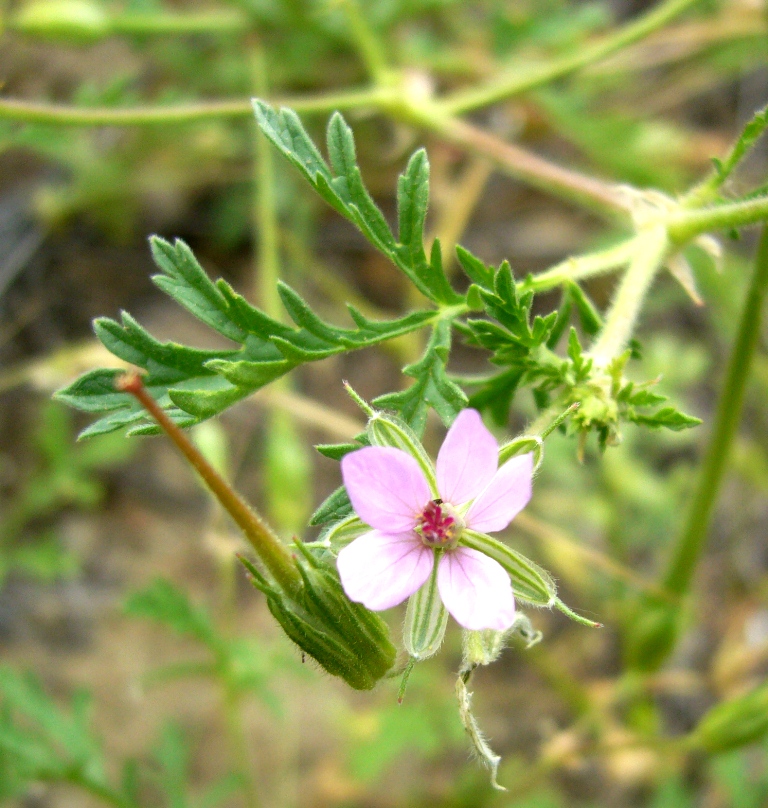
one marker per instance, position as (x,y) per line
(439,525)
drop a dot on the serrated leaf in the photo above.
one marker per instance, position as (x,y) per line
(667,417)
(744,143)
(477,271)
(185,281)
(334,508)
(433,388)
(346,193)
(193,384)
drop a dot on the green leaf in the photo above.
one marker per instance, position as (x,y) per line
(193,384)
(164,603)
(432,388)
(478,271)
(334,508)
(343,188)
(57,740)
(744,143)
(667,417)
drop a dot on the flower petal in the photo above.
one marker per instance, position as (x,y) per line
(476,590)
(387,488)
(381,570)
(504,496)
(467,459)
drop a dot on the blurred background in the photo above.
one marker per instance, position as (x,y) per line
(152,658)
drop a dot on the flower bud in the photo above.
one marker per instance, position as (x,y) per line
(71,19)
(425,621)
(734,723)
(344,637)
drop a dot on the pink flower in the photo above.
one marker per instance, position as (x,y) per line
(413,529)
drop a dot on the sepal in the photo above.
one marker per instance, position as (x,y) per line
(345,638)
(425,621)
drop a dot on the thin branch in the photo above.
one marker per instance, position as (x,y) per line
(506,86)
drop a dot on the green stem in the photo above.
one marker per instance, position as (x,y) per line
(690,543)
(581,267)
(683,226)
(506,86)
(603,198)
(164,23)
(367,43)
(266,224)
(62,115)
(139,24)
(268,547)
(650,250)
(241,748)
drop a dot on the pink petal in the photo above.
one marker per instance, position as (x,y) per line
(381,570)
(387,488)
(476,590)
(467,459)
(504,496)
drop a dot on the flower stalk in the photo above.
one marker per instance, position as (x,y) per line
(650,250)
(260,535)
(690,543)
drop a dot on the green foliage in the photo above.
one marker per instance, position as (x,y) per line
(39,741)
(346,193)
(743,145)
(193,384)
(238,664)
(432,388)
(63,475)
(424,726)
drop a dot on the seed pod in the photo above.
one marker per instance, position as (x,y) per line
(389,430)
(345,638)
(734,723)
(529,581)
(425,621)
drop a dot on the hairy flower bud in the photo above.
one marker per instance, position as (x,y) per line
(344,637)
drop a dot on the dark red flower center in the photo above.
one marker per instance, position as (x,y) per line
(439,525)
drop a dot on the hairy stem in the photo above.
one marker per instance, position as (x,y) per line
(600,197)
(63,115)
(685,225)
(651,248)
(268,547)
(581,267)
(519,82)
(690,542)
